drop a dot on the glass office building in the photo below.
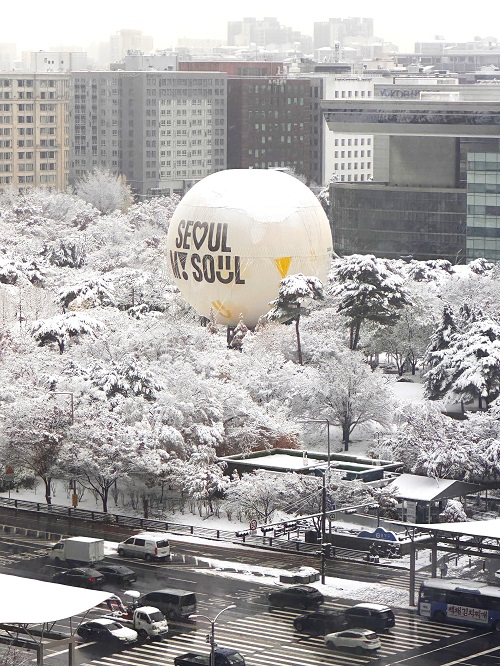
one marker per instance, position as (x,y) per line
(483,206)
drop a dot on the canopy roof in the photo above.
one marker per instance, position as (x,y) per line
(488,529)
(427,489)
(29,601)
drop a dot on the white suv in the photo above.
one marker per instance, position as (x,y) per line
(148,545)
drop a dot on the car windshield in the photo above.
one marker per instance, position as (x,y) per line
(156,617)
(370,636)
(235,658)
(114,626)
(189,600)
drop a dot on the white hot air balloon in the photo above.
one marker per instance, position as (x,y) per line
(237,233)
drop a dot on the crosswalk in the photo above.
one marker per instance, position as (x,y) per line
(267,638)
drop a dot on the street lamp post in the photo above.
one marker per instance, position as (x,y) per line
(323,493)
(212,622)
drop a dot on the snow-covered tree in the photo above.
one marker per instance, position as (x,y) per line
(470,366)
(99,450)
(62,328)
(366,289)
(453,512)
(294,292)
(256,496)
(203,477)
(349,394)
(437,382)
(105,190)
(32,438)
(14,656)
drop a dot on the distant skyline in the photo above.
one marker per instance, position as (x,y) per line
(35,26)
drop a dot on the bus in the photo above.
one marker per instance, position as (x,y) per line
(460,601)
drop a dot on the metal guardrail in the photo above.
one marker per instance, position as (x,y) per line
(273,542)
(133,522)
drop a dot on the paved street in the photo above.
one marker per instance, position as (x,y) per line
(267,638)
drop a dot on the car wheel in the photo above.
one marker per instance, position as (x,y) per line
(331,645)
(299,626)
(358,649)
(121,552)
(148,557)
(496,626)
(439,616)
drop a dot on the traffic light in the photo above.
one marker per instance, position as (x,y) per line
(326,549)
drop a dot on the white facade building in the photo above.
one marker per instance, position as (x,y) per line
(347,157)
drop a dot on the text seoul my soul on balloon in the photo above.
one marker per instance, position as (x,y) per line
(217,264)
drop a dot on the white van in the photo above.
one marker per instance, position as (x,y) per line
(147,545)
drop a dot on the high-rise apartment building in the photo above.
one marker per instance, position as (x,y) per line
(34,131)
(163,130)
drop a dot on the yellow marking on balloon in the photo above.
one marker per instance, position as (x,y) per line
(220,309)
(283,264)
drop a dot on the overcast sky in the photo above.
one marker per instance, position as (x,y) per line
(35,25)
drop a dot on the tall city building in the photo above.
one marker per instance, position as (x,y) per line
(8,54)
(34,131)
(337,30)
(347,157)
(266,33)
(435,189)
(163,130)
(128,40)
(276,122)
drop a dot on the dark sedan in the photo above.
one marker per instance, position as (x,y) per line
(80,577)
(117,574)
(319,623)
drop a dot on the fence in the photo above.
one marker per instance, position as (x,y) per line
(283,543)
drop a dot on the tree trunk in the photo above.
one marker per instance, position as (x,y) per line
(299,348)
(48,497)
(354,334)
(104,497)
(345,436)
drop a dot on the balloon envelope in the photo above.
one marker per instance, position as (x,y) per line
(236,234)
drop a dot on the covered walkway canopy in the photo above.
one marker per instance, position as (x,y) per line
(484,529)
(29,610)
(423,497)
(428,489)
(28,601)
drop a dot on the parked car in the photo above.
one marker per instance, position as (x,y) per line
(147,545)
(319,622)
(107,630)
(356,639)
(296,596)
(80,577)
(370,616)
(117,574)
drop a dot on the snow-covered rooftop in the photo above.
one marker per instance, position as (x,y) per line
(427,489)
(480,528)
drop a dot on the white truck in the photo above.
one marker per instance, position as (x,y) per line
(77,551)
(147,621)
